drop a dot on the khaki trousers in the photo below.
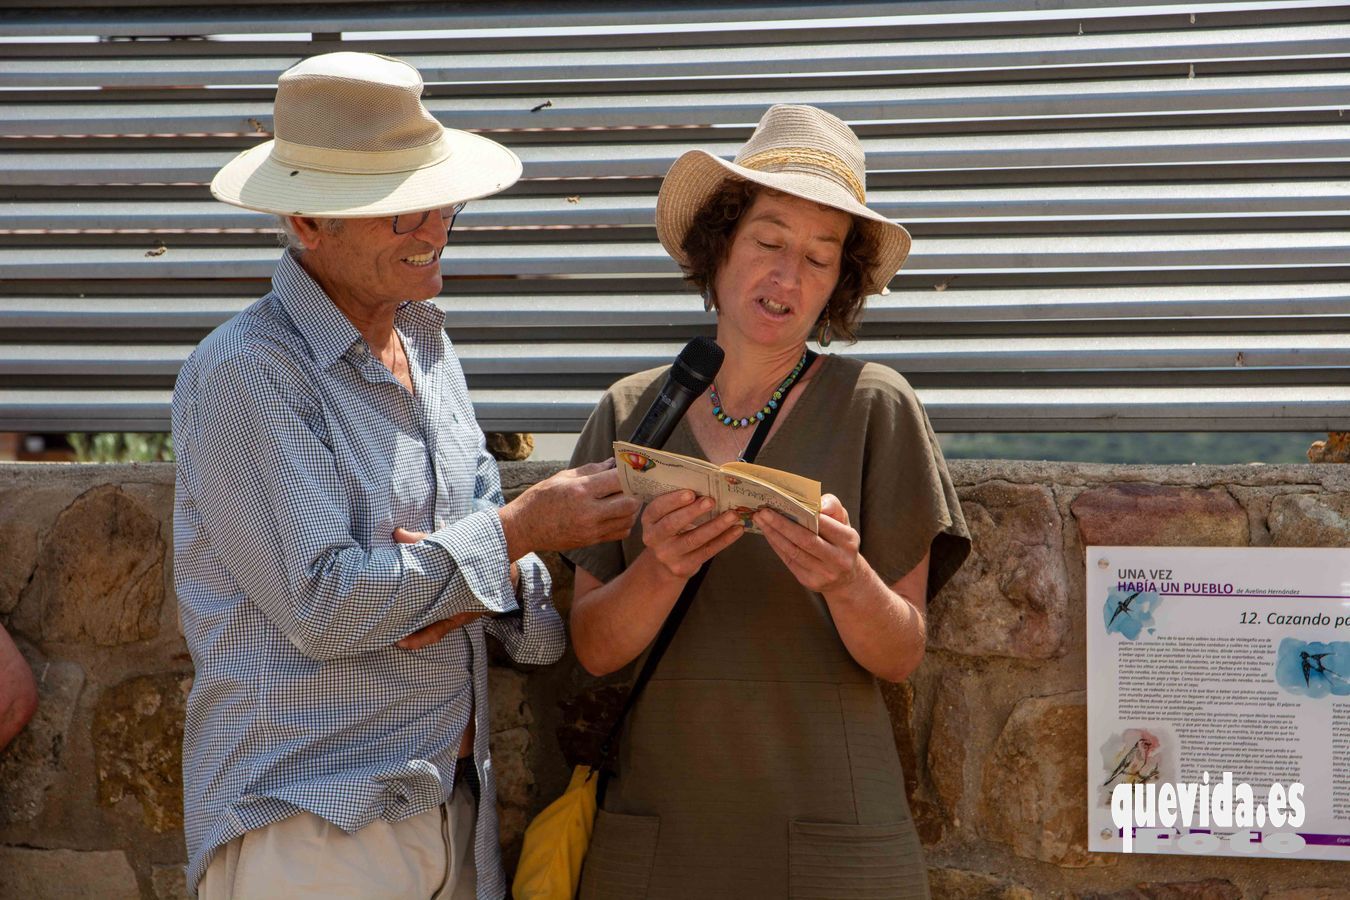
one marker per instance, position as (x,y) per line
(427,856)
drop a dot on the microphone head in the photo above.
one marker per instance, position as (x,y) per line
(697,364)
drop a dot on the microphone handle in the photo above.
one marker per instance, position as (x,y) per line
(664,414)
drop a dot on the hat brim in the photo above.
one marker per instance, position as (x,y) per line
(697,174)
(475,167)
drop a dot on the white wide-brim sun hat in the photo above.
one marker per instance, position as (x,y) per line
(798,150)
(353,140)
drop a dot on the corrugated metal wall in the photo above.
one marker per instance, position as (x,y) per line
(1127,215)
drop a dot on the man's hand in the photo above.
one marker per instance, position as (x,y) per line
(425,637)
(575,508)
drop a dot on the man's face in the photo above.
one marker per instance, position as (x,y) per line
(365,265)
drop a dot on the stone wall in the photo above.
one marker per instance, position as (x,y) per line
(991,729)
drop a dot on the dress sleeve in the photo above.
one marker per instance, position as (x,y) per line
(596,443)
(910,505)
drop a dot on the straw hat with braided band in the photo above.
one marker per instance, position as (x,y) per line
(353,140)
(799,150)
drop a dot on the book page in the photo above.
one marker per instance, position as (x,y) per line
(807,490)
(647,474)
(746,496)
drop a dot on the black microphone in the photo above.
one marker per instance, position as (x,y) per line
(693,371)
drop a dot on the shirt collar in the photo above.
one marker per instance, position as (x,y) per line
(323,326)
(329,333)
(421,319)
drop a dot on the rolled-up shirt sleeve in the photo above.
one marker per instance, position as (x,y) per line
(269,494)
(533,633)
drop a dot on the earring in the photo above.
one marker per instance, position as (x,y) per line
(826,333)
(708,300)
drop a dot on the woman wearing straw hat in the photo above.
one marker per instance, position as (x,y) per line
(760,759)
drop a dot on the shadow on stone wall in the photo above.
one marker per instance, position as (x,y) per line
(991,728)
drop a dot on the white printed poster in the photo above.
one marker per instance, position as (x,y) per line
(1219,701)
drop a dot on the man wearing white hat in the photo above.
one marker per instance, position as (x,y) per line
(341,547)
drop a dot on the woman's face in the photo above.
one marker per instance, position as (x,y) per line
(781,266)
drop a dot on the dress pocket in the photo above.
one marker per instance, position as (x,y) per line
(829,860)
(619,860)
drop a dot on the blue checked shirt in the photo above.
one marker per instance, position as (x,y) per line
(298,456)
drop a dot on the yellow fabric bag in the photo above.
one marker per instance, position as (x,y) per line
(556,841)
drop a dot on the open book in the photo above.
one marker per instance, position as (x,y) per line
(742,487)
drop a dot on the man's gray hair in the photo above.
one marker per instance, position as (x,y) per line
(287,237)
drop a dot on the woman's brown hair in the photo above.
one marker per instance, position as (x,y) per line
(709,236)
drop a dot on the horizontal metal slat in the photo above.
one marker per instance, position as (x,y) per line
(542,362)
(44,410)
(940,256)
(1001,58)
(992,207)
(1066,152)
(142,315)
(1069,355)
(1113,304)
(1047,105)
(1299,408)
(586,20)
(1284,307)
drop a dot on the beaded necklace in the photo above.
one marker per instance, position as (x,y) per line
(733,422)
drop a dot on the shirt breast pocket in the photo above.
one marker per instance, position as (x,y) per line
(457,458)
(410,483)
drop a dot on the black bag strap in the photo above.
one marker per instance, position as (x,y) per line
(677,613)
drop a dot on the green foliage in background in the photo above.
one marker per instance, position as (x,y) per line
(1204,447)
(115,447)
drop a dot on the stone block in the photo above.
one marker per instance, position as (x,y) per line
(506,695)
(1034,791)
(587,718)
(1310,520)
(511,825)
(18,547)
(563,581)
(510,446)
(169,882)
(519,476)
(947,744)
(99,575)
(138,746)
(1335,449)
(31,764)
(1011,596)
(928,818)
(958,884)
(929,821)
(899,700)
(36,874)
(510,761)
(1159,515)
(1208,889)
(1310,893)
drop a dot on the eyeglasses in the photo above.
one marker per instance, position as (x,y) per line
(407,223)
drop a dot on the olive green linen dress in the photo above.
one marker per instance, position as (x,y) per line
(760,760)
